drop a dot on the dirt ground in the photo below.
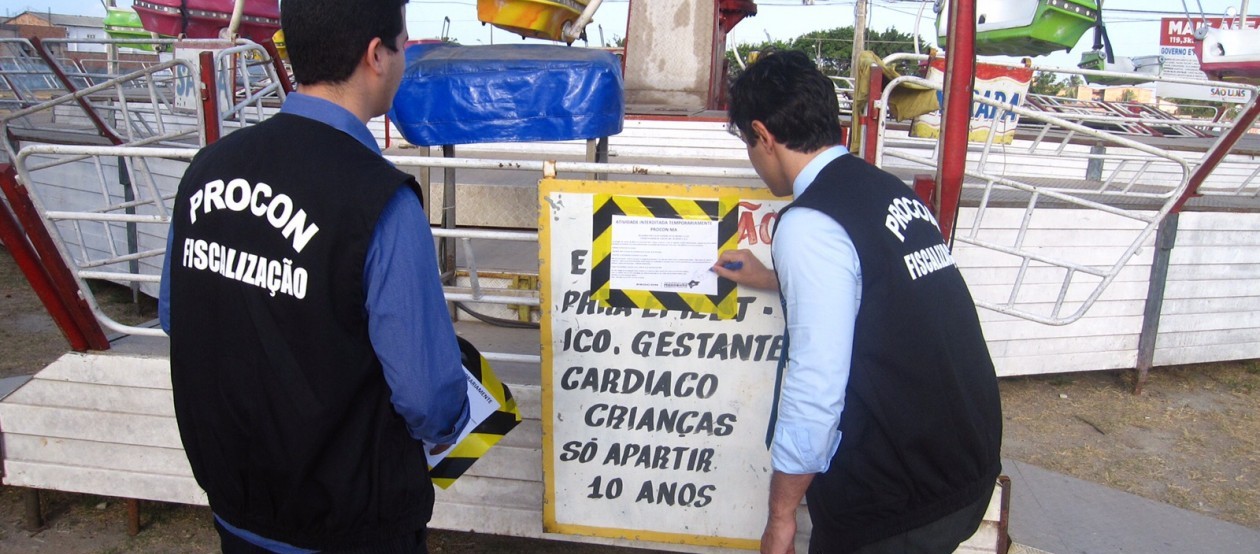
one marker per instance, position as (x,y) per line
(1192,440)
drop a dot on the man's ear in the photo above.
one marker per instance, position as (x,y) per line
(373,57)
(763,134)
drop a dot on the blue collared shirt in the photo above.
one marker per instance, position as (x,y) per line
(407,316)
(821,281)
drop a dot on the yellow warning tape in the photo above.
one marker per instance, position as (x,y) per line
(488,433)
(724,210)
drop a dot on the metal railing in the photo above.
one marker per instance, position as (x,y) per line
(131,102)
(1068,163)
(113,238)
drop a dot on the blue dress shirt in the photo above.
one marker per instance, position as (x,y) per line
(405,306)
(821,281)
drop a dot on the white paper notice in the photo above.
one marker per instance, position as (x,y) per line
(480,405)
(669,255)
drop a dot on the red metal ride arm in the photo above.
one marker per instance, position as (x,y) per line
(1218,151)
(960,70)
(40,261)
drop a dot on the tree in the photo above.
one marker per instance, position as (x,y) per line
(832,50)
(1045,82)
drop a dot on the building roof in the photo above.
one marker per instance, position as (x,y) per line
(64,20)
(78,21)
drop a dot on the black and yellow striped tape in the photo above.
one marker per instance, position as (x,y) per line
(723,210)
(488,432)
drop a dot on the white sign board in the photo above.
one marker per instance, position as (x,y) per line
(1176,45)
(654,419)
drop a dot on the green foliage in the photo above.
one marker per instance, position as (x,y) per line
(1206,109)
(1044,82)
(832,50)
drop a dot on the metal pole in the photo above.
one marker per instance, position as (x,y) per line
(960,69)
(859,36)
(34,519)
(448,217)
(133,239)
(209,97)
(1165,239)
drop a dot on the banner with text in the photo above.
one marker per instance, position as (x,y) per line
(997,82)
(1176,45)
(654,419)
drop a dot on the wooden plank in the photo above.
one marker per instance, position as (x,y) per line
(970,256)
(509,462)
(528,400)
(1005,276)
(163,488)
(1214,272)
(87,396)
(1102,309)
(96,455)
(1211,307)
(1218,221)
(1083,237)
(1207,353)
(1189,290)
(1036,293)
(134,429)
(1192,238)
(1187,339)
(1065,219)
(1063,345)
(527,434)
(1234,254)
(107,368)
(1081,329)
(1039,365)
(1221,321)
(507,493)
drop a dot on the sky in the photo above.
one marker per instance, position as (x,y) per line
(1133,25)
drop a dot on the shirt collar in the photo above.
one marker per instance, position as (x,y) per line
(330,114)
(816,165)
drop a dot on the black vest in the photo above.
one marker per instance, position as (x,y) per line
(921,426)
(282,405)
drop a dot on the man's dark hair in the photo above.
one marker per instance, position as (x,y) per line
(326,38)
(795,101)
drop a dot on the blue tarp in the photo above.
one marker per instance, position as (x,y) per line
(453,94)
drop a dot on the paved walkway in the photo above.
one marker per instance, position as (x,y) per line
(1058,514)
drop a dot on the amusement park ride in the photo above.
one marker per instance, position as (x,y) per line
(1068,167)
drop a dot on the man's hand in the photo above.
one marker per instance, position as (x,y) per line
(438,449)
(779,536)
(746,270)
(786,492)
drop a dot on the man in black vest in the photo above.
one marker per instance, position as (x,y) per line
(311,349)
(887,417)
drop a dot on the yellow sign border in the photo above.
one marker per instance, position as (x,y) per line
(546,187)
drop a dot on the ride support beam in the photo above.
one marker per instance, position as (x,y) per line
(871,115)
(14,238)
(960,71)
(48,274)
(209,98)
(1219,149)
(91,114)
